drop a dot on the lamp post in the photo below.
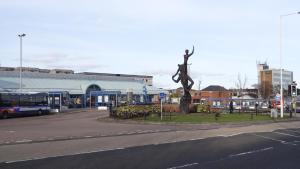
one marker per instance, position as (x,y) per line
(280,53)
(20,80)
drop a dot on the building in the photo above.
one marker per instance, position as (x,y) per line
(270,81)
(81,89)
(216,96)
(236,93)
(261,67)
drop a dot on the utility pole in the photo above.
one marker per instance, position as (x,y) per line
(199,87)
(20,83)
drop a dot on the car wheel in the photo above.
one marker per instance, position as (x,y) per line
(5,115)
(39,113)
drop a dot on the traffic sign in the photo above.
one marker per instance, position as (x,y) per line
(162,95)
(277,97)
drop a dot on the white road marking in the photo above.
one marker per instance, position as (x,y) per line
(85,152)
(193,139)
(183,166)
(131,133)
(286,134)
(24,141)
(88,136)
(269,138)
(251,152)
(293,131)
(11,131)
(230,135)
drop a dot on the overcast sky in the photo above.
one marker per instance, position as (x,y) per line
(149,37)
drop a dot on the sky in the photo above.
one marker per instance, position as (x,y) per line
(149,37)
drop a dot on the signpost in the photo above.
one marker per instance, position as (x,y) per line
(161,96)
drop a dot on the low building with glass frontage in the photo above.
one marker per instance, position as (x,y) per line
(79,90)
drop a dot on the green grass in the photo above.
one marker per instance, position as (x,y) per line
(207,118)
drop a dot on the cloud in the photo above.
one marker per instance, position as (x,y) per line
(64,61)
(46,58)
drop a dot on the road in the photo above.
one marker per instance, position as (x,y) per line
(79,140)
(279,149)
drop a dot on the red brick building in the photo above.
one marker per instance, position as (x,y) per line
(216,96)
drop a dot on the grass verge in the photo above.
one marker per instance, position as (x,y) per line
(207,118)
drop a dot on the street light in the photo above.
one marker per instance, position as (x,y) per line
(280,47)
(21,36)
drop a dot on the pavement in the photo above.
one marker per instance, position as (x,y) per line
(74,140)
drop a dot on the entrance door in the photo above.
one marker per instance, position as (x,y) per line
(55,101)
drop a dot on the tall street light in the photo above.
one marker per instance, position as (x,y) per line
(280,46)
(21,36)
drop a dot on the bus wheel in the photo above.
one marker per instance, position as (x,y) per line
(39,113)
(5,115)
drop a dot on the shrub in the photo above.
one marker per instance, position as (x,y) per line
(133,111)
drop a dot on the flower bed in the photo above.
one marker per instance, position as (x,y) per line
(134,111)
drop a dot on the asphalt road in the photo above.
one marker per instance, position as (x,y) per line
(78,125)
(279,149)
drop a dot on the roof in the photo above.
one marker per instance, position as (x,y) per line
(214,88)
(68,71)
(76,76)
(72,85)
(111,74)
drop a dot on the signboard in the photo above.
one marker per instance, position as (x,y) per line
(106,98)
(100,99)
(162,95)
(277,97)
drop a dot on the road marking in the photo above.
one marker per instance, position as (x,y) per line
(251,152)
(293,131)
(230,135)
(286,134)
(24,141)
(88,136)
(130,133)
(183,166)
(85,152)
(269,138)
(193,139)
(11,131)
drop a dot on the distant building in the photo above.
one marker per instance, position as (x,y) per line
(253,93)
(261,67)
(216,96)
(86,88)
(269,80)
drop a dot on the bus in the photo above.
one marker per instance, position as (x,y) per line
(23,103)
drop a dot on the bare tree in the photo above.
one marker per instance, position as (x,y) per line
(240,87)
(241,84)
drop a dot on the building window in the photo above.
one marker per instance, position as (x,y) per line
(92,88)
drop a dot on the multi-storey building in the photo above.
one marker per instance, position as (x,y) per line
(269,80)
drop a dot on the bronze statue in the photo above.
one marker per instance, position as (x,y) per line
(185,79)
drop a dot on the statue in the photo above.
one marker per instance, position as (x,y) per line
(185,79)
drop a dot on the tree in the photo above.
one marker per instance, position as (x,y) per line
(240,86)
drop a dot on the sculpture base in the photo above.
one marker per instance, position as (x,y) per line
(185,102)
